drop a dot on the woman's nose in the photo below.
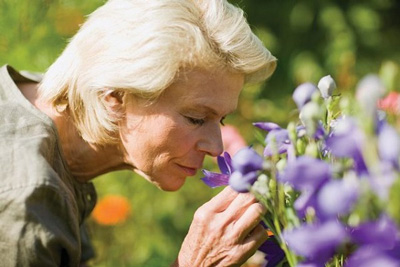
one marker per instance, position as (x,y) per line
(211,142)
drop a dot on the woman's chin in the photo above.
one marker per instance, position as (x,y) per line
(171,186)
(169,183)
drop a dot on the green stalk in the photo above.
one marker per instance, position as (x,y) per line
(289,256)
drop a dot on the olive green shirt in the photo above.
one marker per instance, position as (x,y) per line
(42,207)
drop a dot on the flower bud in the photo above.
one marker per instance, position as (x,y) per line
(326,86)
(312,150)
(300,146)
(303,94)
(309,116)
(292,131)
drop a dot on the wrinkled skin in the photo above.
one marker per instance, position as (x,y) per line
(225,231)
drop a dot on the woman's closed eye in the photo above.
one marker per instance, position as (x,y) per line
(195,121)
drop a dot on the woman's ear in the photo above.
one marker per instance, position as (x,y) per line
(114,102)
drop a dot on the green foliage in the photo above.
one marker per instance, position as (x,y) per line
(310,38)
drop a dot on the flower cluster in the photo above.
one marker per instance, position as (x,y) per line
(330,180)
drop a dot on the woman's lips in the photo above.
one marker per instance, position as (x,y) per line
(188,170)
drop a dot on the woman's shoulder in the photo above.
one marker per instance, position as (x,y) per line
(29,153)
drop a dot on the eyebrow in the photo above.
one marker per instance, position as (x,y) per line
(210,110)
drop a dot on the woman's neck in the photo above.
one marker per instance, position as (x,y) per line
(85,160)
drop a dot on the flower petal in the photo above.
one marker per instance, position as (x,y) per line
(367,256)
(389,145)
(303,93)
(336,197)
(274,253)
(242,183)
(368,91)
(318,242)
(381,233)
(224,163)
(213,179)
(267,126)
(347,141)
(247,160)
(277,142)
(306,200)
(306,173)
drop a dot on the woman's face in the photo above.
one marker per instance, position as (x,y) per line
(167,140)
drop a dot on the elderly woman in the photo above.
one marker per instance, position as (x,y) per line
(144,85)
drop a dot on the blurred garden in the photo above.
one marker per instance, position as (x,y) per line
(136,224)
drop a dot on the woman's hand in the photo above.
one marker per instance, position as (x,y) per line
(225,231)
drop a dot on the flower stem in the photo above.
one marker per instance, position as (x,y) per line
(289,256)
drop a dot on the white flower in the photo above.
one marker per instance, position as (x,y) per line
(326,86)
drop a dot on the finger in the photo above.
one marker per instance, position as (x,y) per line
(239,205)
(255,239)
(250,245)
(249,220)
(221,201)
(245,249)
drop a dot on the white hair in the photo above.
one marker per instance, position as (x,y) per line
(139,46)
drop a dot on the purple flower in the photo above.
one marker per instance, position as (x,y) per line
(247,160)
(246,163)
(306,173)
(336,197)
(240,172)
(277,141)
(389,145)
(318,135)
(303,94)
(382,179)
(379,244)
(225,163)
(267,126)
(381,233)
(369,90)
(213,179)
(274,253)
(317,243)
(309,264)
(347,141)
(371,257)
(307,199)
(395,251)
(242,182)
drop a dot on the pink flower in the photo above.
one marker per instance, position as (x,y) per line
(391,103)
(232,139)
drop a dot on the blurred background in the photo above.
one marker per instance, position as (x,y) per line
(135,224)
